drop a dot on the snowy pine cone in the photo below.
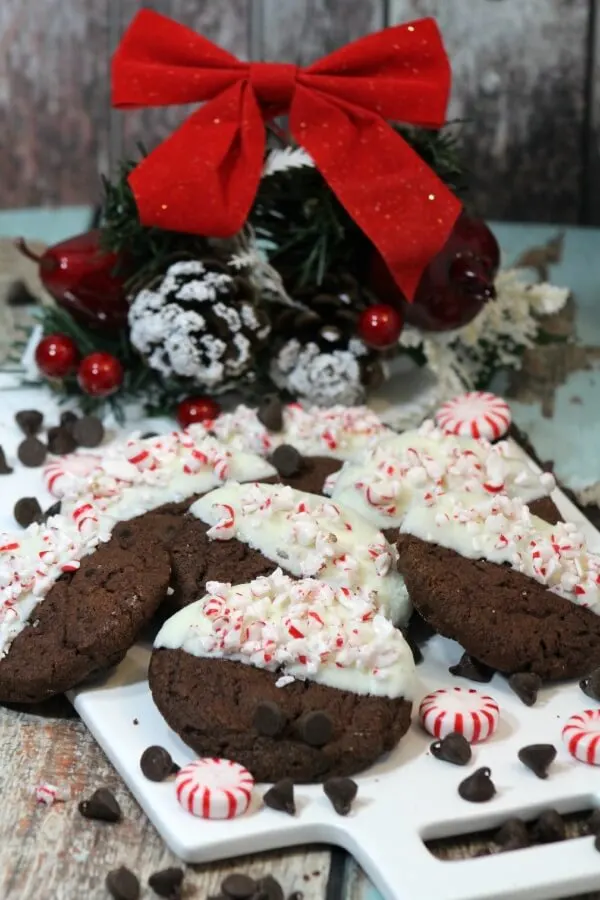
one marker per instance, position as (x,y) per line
(319,357)
(202,323)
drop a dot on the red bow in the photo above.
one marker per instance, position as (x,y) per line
(204,178)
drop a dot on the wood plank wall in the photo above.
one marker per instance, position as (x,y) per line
(526,85)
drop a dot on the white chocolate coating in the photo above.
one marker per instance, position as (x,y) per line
(309,537)
(304,629)
(343,432)
(425,462)
(133,478)
(502,530)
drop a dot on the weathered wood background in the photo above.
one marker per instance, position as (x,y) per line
(526,84)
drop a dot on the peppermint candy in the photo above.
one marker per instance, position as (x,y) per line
(581,735)
(48,794)
(475,414)
(462,710)
(67,475)
(214,788)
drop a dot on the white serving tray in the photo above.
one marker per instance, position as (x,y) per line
(406,798)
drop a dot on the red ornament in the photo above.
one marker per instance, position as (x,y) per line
(100,374)
(56,355)
(197,409)
(379,326)
(81,278)
(456,284)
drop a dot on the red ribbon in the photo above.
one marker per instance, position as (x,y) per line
(204,178)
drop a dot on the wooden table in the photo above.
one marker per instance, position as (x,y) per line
(55,853)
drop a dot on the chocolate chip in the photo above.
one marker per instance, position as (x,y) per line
(102,805)
(287,460)
(32,452)
(548,828)
(122,884)
(478,787)
(29,421)
(342,793)
(268,718)
(167,883)
(538,758)
(454,748)
(526,686)
(5,469)
(315,728)
(471,668)
(270,413)
(157,764)
(88,431)
(26,511)
(239,886)
(53,510)
(513,835)
(590,685)
(61,441)
(593,823)
(414,648)
(147,435)
(281,797)
(68,419)
(268,888)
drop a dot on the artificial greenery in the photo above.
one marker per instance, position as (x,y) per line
(145,252)
(305,230)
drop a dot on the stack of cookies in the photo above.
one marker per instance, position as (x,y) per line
(287,549)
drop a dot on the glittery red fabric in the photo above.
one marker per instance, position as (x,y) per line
(204,178)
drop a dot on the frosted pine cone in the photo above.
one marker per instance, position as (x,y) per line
(202,323)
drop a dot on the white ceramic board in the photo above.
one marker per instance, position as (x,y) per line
(406,798)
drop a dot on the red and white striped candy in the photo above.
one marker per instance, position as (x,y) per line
(214,788)
(464,710)
(49,794)
(62,475)
(475,414)
(581,734)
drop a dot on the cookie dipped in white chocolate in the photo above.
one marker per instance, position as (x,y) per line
(141,475)
(502,530)
(426,462)
(343,432)
(308,536)
(305,630)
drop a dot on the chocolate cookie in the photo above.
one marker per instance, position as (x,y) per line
(312,474)
(500,616)
(87,621)
(195,559)
(219,720)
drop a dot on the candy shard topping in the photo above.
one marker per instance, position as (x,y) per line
(476,413)
(426,462)
(309,536)
(305,629)
(502,530)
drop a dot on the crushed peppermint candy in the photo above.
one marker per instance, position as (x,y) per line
(503,530)
(340,431)
(427,463)
(48,794)
(309,536)
(303,629)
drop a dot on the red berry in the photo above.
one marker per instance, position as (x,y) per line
(197,409)
(56,356)
(100,374)
(380,326)
(455,285)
